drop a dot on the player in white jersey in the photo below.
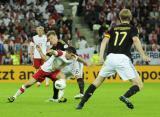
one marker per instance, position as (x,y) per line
(75,70)
(41,40)
(51,69)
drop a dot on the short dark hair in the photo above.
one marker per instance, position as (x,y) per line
(71,50)
(52,32)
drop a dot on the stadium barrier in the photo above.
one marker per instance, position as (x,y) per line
(87,53)
(23,73)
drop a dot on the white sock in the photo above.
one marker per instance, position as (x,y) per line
(60,94)
(20,91)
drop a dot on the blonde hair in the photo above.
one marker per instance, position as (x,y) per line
(52,32)
(125,15)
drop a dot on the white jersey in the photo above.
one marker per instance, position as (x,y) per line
(74,69)
(42,42)
(55,63)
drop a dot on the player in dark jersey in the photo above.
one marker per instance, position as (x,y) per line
(58,45)
(119,39)
(61,45)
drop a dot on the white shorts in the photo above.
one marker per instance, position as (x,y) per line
(119,63)
(74,69)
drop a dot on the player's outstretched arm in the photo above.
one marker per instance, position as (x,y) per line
(102,48)
(44,57)
(80,59)
(138,46)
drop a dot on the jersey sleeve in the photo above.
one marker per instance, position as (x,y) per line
(134,32)
(107,34)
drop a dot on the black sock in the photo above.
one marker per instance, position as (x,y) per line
(80,82)
(133,90)
(55,92)
(89,92)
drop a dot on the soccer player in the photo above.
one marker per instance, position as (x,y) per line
(41,40)
(51,69)
(75,70)
(78,67)
(119,39)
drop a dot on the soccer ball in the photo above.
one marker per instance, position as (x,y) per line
(60,84)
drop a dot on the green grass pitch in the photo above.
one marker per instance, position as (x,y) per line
(104,102)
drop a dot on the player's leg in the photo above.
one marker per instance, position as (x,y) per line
(22,89)
(89,92)
(61,77)
(47,82)
(128,72)
(54,98)
(79,75)
(136,87)
(55,91)
(61,98)
(80,82)
(57,94)
(37,77)
(106,71)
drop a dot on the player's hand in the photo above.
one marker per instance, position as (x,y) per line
(146,58)
(38,48)
(50,51)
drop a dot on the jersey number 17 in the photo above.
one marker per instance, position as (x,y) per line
(124,34)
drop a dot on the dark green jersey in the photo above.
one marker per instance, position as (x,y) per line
(59,46)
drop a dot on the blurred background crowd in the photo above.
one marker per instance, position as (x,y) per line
(19,19)
(146,16)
